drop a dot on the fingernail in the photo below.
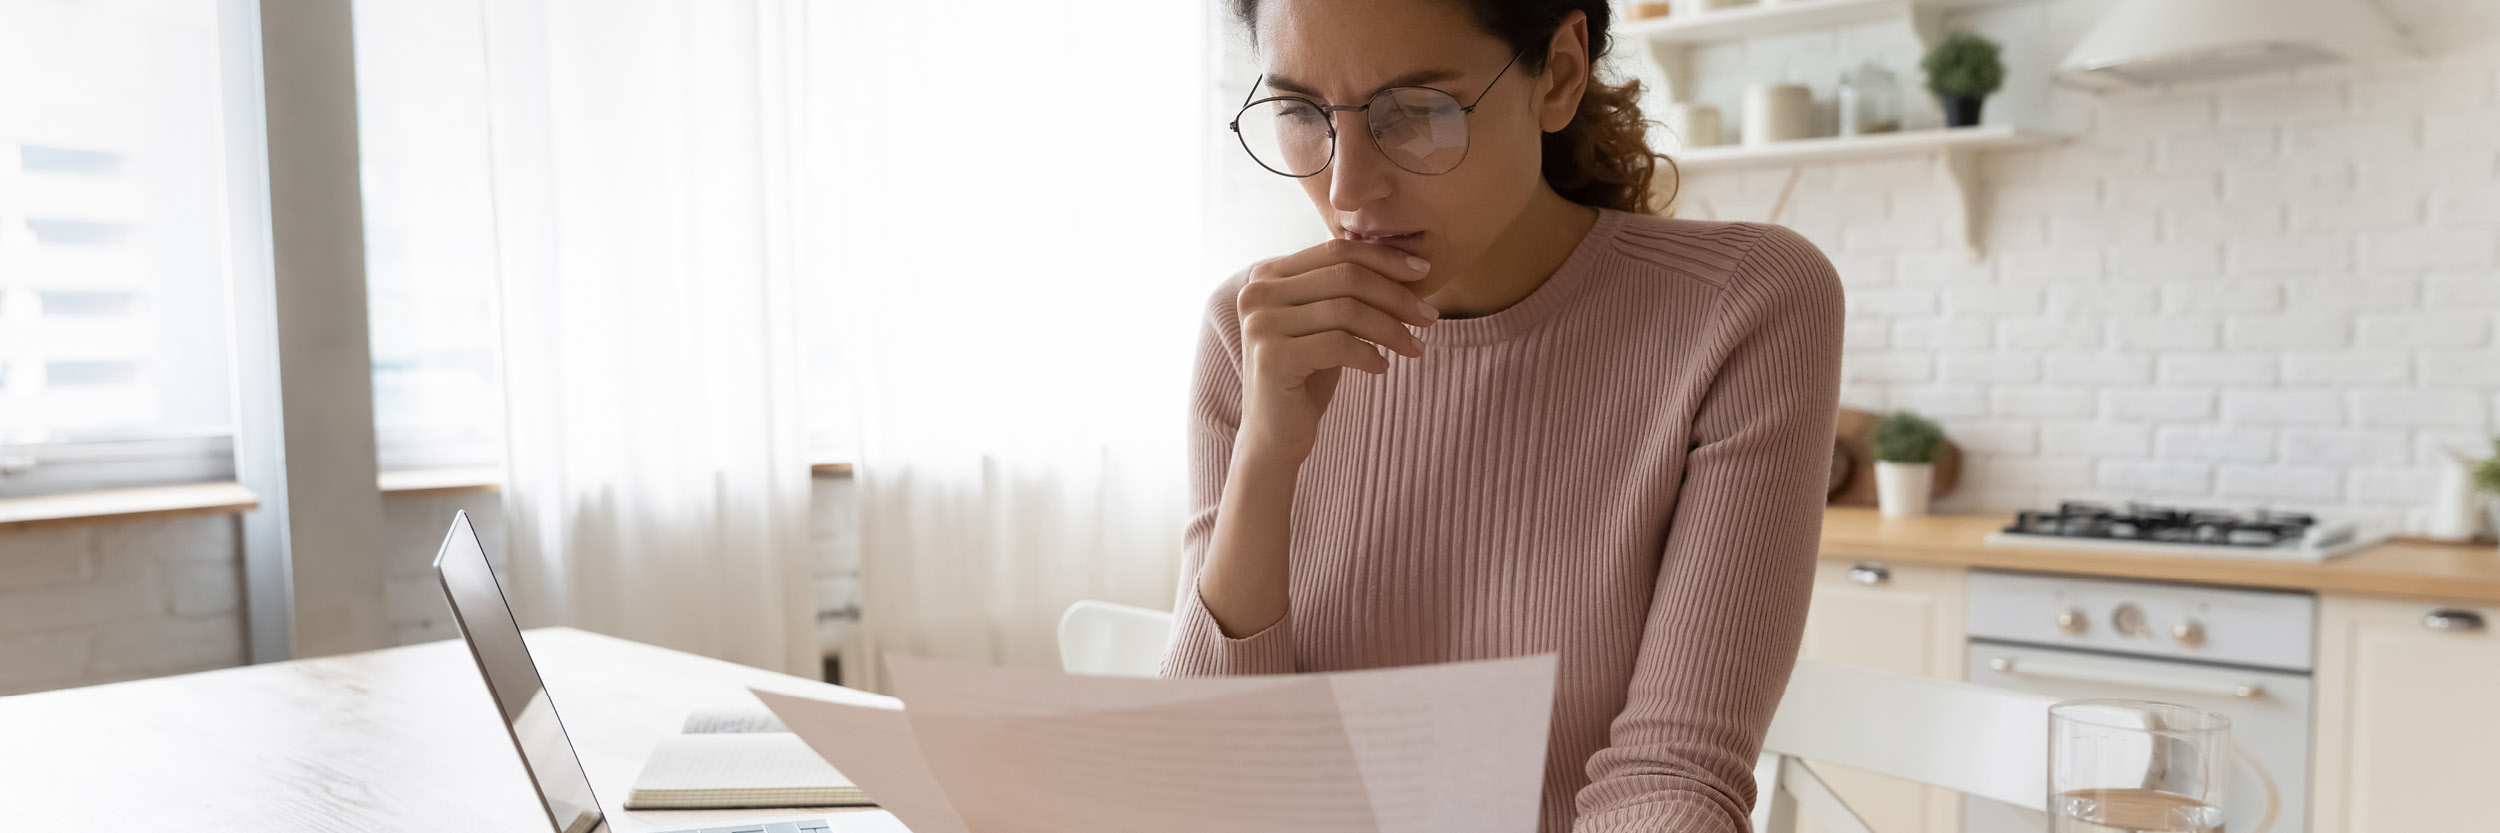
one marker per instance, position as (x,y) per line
(1421,266)
(1430,314)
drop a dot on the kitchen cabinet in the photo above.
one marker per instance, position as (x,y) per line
(1902,619)
(2408,734)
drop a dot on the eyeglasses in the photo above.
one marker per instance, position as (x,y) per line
(1420,129)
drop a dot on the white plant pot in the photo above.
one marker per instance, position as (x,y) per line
(2495,516)
(1901,489)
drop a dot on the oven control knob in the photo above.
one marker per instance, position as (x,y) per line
(2128,620)
(2188,633)
(2071,621)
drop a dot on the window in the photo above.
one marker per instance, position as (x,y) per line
(431,253)
(115,367)
(429,234)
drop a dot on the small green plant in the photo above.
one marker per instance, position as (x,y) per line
(2487,472)
(1906,437)
(1964,66)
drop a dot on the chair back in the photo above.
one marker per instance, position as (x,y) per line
(1968,738)
(1112,639)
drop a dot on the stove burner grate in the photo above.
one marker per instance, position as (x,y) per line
(2163,524)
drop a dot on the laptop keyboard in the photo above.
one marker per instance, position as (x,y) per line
(797,826)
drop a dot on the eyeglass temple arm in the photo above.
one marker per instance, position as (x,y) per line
(1488,87)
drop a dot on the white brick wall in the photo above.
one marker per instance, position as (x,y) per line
(2276,291)
(82,605)
(414,528)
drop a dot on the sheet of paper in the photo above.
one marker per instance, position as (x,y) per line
(872,743)
(1450,747)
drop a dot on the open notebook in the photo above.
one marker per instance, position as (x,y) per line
(738,759)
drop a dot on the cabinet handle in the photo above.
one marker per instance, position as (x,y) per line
(2452,619)
(1870,573)
(2054,671)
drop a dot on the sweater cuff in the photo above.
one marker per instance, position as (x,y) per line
(1200,649)
(1669,814)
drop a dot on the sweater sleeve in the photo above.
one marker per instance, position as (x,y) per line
(1198,645)
(1738,565)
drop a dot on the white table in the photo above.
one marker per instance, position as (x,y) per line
(391,740)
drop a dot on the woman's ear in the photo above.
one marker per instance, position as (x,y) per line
(1566,76)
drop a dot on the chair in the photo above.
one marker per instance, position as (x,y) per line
(1114,639)
(1968,738)
(1971,739)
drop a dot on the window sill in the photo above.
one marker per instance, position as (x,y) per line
(120,505)
(229,498)
(488,479)
(459,480)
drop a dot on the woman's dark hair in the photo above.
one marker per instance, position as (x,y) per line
(1602,158)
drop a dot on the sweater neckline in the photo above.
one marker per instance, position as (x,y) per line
(1555,293)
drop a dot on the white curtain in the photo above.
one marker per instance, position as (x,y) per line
(1016,201)
(643,157)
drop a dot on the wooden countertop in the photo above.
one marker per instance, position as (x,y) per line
(2404,569)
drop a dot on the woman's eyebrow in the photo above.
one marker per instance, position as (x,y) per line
(1412,79)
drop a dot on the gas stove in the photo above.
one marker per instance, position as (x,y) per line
(2146,528)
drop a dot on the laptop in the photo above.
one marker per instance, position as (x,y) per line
(529,715)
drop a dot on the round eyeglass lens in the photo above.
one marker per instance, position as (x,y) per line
(1287,135)
(1421,130)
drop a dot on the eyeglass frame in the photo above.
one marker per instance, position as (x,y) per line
(1330,111)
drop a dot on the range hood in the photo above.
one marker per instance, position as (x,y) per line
(2146,43)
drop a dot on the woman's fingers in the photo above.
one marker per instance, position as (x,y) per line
(1341,313)
(1342,280)
(1334,348)
(1334,305)
(1385,260)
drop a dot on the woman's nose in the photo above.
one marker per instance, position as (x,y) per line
(1361,174)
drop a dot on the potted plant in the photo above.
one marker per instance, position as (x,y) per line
(1962,71)
(1905,463)
(2487,479)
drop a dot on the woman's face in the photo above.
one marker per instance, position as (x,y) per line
(1340,52)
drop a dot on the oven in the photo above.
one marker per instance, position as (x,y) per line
(2245,654)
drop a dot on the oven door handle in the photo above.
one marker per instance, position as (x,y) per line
(2054,671)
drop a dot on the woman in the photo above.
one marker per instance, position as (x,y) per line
(1593,431)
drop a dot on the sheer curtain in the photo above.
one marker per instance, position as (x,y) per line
(643,155)
(1015,200)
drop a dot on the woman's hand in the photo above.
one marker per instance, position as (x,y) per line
(1307,316)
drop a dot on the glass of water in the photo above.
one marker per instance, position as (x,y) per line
(2136,766)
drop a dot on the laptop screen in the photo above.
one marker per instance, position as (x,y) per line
(485,618)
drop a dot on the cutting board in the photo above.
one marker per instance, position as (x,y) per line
(1853,462)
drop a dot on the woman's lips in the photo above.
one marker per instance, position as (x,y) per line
(1409,242)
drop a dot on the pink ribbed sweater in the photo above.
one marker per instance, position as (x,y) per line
(1626,467)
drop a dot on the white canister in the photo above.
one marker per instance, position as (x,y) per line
(1778,112)
(2456,504)
(1695,125)
(1901,489)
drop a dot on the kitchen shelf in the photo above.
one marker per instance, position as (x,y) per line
(1670,42)
(1956,150)
(1776,17)
(1873,146)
